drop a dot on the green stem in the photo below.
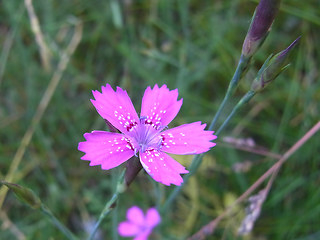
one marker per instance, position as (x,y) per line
(57,223)
(245,99)
(107,209)
(109,205)
(241,69)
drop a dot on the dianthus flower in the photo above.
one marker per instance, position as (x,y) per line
(146,135)
(138,225)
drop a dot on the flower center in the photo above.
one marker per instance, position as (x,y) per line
(147,136)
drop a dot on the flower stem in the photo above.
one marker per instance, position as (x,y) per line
(245,99)
(110,204)
(57,223)
(241,69)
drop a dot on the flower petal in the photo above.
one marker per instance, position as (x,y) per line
(136,216)
(187,139)
(161,167)
(106,149)
(160,106)
(116,107)
(152,217)
(128,229)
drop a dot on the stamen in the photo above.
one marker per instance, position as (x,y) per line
(142,119)
(162,127)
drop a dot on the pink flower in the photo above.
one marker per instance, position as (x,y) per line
(146,135)
(138,225)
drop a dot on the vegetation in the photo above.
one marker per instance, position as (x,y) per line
(45,87)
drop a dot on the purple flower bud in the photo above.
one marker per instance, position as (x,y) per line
(262,20)
(272,68)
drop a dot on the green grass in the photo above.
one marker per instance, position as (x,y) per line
(190,45)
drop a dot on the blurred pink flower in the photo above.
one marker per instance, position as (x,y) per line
(145,135)
(138,225)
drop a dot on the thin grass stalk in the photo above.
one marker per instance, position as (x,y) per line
(45,53)
(44,102)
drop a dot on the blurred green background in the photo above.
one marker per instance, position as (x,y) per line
(187,44)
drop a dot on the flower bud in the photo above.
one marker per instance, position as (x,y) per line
(26,195)
(272,67)
(261,22)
